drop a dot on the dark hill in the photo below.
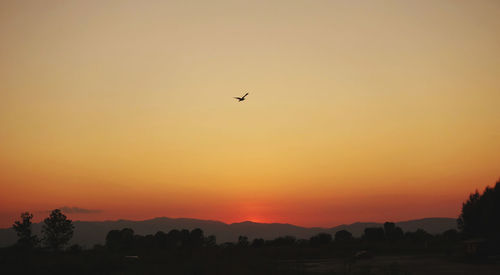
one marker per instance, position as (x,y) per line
(91,233)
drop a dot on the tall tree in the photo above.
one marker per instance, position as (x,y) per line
(57,230)
(24,231)
(480,215)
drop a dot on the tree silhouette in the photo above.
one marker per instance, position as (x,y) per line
(282,241)
(174,238)
(243,241)
(258,242)
(374,234)
(210,241)
(196,238)
(418,236)
(480,215)
(392,232)
(57,230)
(125,240)
(321,238)
(343,235)
(450,235)
(184,237)
(160,238)
(120,239)
(24,231)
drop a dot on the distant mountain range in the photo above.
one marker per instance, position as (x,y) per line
(89,233)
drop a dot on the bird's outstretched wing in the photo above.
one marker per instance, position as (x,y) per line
(245,95)
(237,97)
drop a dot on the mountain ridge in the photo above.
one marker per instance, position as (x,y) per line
(89,233)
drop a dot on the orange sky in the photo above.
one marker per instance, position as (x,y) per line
(358,110)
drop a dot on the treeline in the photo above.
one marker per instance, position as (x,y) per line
(479,222)
(57,230)
(389,233)
(127,240)
(192,252)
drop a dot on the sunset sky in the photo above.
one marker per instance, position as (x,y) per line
(358,110)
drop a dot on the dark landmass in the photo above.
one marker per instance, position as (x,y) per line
(431,246)
(87,233)
(380,250)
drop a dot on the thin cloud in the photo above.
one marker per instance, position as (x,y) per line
(78,210)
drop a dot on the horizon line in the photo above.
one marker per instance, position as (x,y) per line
(248,221)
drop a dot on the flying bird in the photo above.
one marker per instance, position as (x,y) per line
(241,98)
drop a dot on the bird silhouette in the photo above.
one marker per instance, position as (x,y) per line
(241,98)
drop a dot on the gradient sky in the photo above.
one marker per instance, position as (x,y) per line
(358,110)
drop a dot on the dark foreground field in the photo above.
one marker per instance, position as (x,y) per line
(243,260)
(393,264)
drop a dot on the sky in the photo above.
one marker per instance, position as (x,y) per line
(357,110)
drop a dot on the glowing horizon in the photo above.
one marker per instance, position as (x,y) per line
(358,111)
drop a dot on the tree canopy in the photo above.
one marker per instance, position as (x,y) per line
(57,230)
(343,235)
(24,231)
(480,215)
